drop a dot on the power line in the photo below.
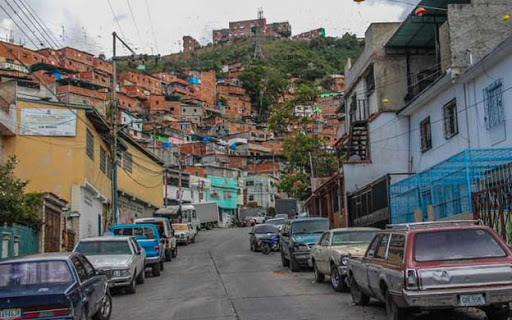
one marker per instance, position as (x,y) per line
(152,27)
(38,19)
(135,23)
(18,26)
(115,17)
(32,20)
(26,25)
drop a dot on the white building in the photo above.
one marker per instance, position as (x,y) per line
(262,190)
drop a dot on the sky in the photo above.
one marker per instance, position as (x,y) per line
(157,26)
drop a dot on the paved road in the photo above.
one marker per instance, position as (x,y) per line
(219,278)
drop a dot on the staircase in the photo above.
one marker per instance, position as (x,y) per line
(358,144)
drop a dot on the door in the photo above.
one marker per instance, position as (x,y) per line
(51,230)
(86,287)
(97,282)
(139,257)
(285,240)
(375,265)
(323,249)
(360,267)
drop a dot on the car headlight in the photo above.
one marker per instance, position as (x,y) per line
(344,260)
(300,246)
(122,273)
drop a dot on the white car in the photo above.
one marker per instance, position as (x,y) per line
(184,233)
(259,219)
(120,258)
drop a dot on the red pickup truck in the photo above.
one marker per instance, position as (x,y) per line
(429,266)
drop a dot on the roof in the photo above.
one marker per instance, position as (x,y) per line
(106,238)
(354,229)
(137,221)
(308,219)
(436,225)
(420,32)
(41,256)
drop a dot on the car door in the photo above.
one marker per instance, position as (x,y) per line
(359,268)
(138,256)
(99,282)
(394,275)
(321,248)
(285,240)
(376,265)
(87,291)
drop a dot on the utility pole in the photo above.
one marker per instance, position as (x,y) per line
(113,122)
(179,183)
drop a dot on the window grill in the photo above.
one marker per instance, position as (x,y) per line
(493,104)
(89,144)
(426,135)
(451,126)
(127,162)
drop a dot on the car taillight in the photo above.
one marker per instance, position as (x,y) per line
(411,279)
(44,312)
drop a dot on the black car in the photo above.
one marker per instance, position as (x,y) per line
(53,286)
(259,232)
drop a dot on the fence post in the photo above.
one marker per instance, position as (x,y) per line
(467,155)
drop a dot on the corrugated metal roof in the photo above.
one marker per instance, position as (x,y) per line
(420,32)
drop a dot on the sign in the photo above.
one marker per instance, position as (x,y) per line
(48,122)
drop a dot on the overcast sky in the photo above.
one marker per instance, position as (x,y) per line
(88,24)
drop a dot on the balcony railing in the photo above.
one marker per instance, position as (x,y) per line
(418,82)
(360,110)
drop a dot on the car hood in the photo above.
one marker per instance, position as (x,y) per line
(110,261)
(307,238)
(355,250)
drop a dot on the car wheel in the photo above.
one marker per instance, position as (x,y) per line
(106,308)
(252,246)
(131,288)
(393,311)
(358,297)
(168,256)
(161,265)
(155,270)
(319,277)
(294,265)
(141,278)
(187,242)
(194,239)
(175,252)
(284,261)
(498,312)
(337,281)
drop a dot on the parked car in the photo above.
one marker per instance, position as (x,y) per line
(281,215)
(297,238)
(183,234)
(121,259)
(256,219)
(189,215)
(278,222)
(259,232)
(53,286)
(435,266)
(193,232)
(149,239)
(333,251)
(166,231)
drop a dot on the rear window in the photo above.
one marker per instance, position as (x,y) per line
(137,232)
(180,227)
(456,245)
(265,229)
(352,237)
(37,273)
(95,248)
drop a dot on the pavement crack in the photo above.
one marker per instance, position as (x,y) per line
(224,286)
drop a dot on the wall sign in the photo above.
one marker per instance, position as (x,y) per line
(48,122)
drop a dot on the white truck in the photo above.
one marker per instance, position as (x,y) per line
(208,214)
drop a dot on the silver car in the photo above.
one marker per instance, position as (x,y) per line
(120,258)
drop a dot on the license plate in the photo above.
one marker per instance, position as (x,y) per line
(10,314)
(468,300)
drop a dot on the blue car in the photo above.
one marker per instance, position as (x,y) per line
(297,238)
(149,239)
(53,286)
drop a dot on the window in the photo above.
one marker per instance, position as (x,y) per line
(127,162)
(426,135)
(451,126)
(227,195)
(373,246)
(109,167)
(493,102)
(251,197)
(380,253)
(396,248)
(89,147)
(80,269)
(250,183)
(370,81)
(103,160)
(325,240)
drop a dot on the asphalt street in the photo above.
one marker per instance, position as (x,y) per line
(218,277)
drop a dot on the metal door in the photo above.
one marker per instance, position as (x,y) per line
(494,207)
(51,230)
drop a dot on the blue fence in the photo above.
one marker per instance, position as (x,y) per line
(17,240)
(448,186)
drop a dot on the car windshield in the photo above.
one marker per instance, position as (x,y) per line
(456,245)
(310,226)
(341,238)
(138,232)
(95,248)
(265,229)
(180,227)
(276,221)
(35,273)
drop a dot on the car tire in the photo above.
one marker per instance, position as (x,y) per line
(161,265)
(252,246)
(106,308)
(194,239)
(294,265)
(187,242)
(319,277)
(141,278)
(393,311)
(284,261)
(132,287)
(168,256)
(337,281)
(175,252)
(155,270)
(358,297)
(498,312)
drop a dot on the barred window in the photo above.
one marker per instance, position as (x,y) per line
(89,144)
(109,167)
(426,135)
(451,126)
(493,102)
(103,160)
(127,162)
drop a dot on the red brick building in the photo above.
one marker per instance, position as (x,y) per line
(248,28)
(190,45)
(310,35)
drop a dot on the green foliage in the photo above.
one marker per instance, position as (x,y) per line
(296,185)
(15,205)
(298,149)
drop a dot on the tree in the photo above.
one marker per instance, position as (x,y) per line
(15,205)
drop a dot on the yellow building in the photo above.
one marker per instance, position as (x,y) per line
(61,150)
(140,181)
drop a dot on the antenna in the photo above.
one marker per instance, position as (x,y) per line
(260,14)
(258,52)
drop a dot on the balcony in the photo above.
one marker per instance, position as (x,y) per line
(418,82)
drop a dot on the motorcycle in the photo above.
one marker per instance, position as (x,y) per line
(271,244)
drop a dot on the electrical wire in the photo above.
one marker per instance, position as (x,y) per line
(26,25)
(160,184)
(18,26)
(152,27)
(33,21)
(135,23)
(115,18)
(41,23)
